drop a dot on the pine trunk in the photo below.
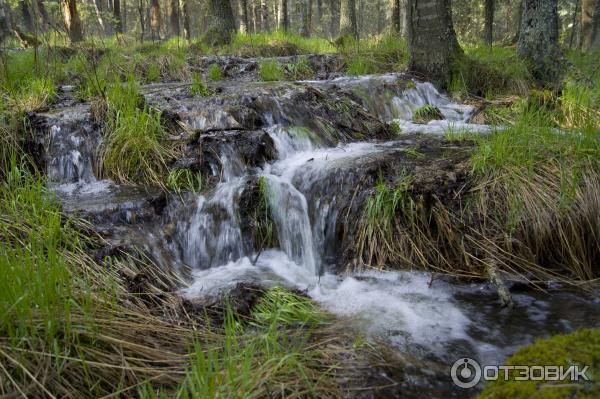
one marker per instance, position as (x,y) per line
(244,21)
(222,22)
(155,19)
(284,17)
(538,43)
(396,16)
(432,41)
(72,20)
(185,16)
(306,17)
(595,45)
(117,16)
(174,18)
(489,23)
(587,15)
(348,22)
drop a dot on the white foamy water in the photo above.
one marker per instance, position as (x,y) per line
(400,307)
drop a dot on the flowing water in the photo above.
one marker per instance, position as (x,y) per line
(433,320)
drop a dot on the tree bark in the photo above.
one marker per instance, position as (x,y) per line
(595,45)
(264,15)
(432,41)
(185,16)
(574,24)
(72,20)
(222,21)
(117,16)
(489,23)
(142,13)
(155,19)
(306,17)
(348,22)
(175,29)
(244,22)
(98,10)
(587,14)
(334,6)
(538,43)
(395,16)
(519,20)
(284,17)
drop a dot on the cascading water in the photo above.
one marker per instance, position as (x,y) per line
(307,182)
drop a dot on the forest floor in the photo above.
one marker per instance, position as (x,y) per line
(77,325)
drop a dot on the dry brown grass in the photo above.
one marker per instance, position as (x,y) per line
(524,223)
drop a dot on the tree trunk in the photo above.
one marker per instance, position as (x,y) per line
(432,41)
(319,12)
(587,14)
(348,23)
(574,25)
(72,20)
(284,17)
(98,10)
(185,16)
(244,22)
(395,16)
(155,19)
(117,16)
(334,6)
(306,17)
(519,20)
(538,43)
(142,20)
(595,45)
(174,18)
(489,23)
(222,22)
(255,17)
(264,15)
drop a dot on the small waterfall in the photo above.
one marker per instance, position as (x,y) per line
(289,210)
(211,236)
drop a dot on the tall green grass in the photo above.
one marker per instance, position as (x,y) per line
(135,150)
(277,43)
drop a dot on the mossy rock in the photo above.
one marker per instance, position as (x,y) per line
(427,113)
(579,348)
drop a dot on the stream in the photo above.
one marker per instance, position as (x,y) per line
(318,147)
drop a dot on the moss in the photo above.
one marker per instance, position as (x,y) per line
(427,113)
(579,348)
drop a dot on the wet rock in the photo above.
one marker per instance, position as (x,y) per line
(223,154)
(64,142)
(240,300)
(323,66)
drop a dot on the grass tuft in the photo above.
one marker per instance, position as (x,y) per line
(270,71)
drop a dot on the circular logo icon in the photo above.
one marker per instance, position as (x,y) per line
(466,373)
